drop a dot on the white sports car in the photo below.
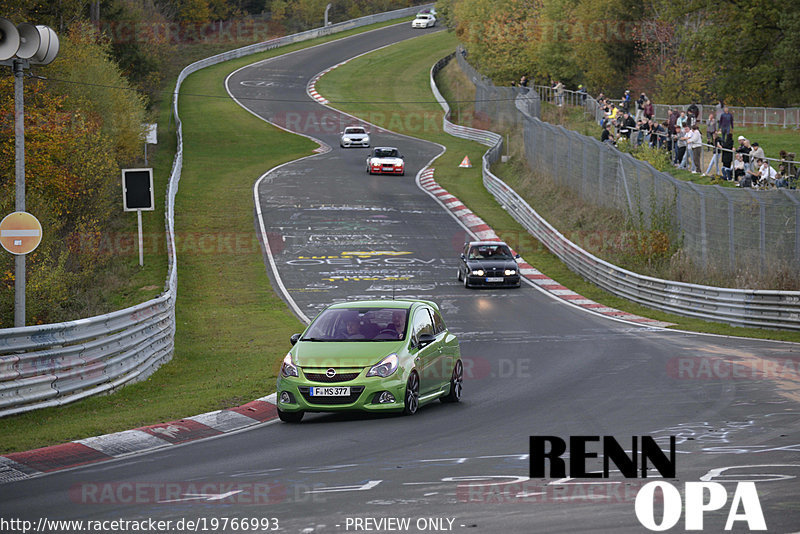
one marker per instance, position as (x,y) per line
(354,136)
(385,160)
(424,20)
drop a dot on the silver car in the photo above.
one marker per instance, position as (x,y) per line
(354,136)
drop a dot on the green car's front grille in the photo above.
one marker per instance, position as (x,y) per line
(355,392)
(322,377)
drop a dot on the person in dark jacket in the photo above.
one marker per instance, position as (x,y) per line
(727,157)
(725,123)
(606,136)
(628,125)
(694,111)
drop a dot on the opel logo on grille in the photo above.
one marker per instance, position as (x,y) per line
(330,373)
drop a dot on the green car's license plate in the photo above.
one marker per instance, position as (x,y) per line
(329,391)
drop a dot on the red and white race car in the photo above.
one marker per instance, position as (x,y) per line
(385,160)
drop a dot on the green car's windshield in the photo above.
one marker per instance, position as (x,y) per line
(358,324)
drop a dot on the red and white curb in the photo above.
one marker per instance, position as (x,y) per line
(27,464)
(483,231)
(311,87)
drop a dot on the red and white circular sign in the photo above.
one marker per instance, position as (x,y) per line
(20,232)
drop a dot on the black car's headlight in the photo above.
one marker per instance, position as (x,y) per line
(288,367)
(385,367)
(477,272)
(511,272)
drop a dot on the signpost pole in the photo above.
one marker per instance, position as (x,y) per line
(141,240)
(19,147)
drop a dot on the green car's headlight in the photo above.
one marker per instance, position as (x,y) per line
(288,368)
(385,367)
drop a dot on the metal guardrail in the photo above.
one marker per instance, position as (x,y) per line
(55,364)
(738,307)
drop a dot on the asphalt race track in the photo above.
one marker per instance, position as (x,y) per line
(534,366)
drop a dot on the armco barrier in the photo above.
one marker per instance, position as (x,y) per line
(738,307)
(55,364)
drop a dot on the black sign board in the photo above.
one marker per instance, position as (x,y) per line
(137,189)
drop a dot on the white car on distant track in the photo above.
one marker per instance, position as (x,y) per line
(424,20)
(354,136)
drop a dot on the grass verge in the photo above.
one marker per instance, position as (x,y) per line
(232,328)
(404,107)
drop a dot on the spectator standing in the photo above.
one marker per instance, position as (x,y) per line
(626,101)
(640,107)
(672,128)
(681,120)
(711,129)
(649,110)
(719,109)
(559,88)
(693,110)
(582,91)
(727,157)
(695,144)
(661,136)
(725,123)
(717,149)
(680,153)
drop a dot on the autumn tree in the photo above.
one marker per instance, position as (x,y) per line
(115,104)
(747,50)
(71,186)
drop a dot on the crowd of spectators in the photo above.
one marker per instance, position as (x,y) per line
(680,135)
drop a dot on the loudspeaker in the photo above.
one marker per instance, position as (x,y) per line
(48,46)
(29,40)
(9,39)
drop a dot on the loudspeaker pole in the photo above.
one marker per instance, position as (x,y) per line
(19,148)
(19,47)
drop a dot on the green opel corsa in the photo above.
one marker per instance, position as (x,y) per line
(371,355)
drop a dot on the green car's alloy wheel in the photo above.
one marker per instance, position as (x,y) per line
(412,395)
(290,417)
(456,384)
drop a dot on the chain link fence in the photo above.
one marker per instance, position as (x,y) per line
(722,229)
(739,307)
(498,103)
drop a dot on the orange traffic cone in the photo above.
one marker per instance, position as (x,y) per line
(465,162)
